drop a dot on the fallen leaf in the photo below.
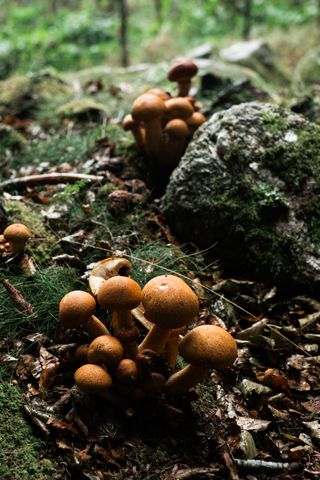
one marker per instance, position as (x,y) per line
(254,424)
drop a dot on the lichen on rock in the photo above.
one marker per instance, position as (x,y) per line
(249,183)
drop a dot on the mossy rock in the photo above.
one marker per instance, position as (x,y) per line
(249,184)
(82,109)
(23,95)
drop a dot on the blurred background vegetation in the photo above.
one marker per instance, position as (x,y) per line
(72,34)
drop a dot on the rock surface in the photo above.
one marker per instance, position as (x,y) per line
(249,184)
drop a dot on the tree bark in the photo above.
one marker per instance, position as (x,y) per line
(123,33)
(247,19)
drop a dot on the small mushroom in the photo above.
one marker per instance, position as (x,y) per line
(76,310)
(205,347)
(16,235)
(169,303)
(195,121)
(93,379)
(105,349)
(120,295)
(127,372)
(81,353)
(129,124)
(106,269)
(182,71)
(179,107)
(177,132)
(149,109)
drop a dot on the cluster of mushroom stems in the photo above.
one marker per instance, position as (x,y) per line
(13,239)
(115,365)
(163,125)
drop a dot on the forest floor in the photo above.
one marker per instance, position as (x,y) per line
(258,420)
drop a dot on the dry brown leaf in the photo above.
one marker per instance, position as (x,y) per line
(253,424)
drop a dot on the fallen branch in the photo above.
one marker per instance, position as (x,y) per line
(18,298)
(49,178)
(258,464)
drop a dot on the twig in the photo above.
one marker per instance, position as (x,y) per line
(257,464)
(230,464)
(51,178)
(18,298)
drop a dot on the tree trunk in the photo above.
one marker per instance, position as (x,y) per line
(247,19)
(158,10)
(123,34)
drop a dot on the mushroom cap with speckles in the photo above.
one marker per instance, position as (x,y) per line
(93,379)
(209,346)
(76,308)
(169,302)
(119,293)
(105,349)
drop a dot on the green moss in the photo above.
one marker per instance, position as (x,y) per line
(21,452)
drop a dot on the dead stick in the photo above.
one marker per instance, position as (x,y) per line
(51,178)
(18,298)
(256,464)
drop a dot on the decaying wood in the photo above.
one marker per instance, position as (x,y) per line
(263,464)
(22,304)
(49,178)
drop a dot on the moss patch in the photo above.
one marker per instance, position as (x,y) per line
(21,452)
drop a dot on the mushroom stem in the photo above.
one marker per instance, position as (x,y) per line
(95,328)
(186,378)
(172,347)
(156,339)
(184,87)
(154,137)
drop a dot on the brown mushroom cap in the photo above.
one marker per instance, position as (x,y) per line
(76,308)
(119,293)
(93,379)
(177,129)
(127,371)
(147,107)
(128,122)
(107,268)
(81,353)
(16,234)
(209,346)
(169,302)
(195,120)
(178,107)
(105,349)
(182,70)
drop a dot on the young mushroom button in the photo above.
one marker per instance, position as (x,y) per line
(205,347)
(76,310)
(169,303)
(93,379)
(120,295)
(16,235)
(149,109)
(105,349)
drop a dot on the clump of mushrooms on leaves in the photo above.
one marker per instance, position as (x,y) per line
(121,364)
(163,125)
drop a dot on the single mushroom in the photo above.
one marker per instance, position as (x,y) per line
(177,133)
(105,349)
(195,121)
(169,303)
(81,353)
(76,310)
(149,109)
(182,71)
(93,379)
(16,235)
(127,372)
(107,268)
(129,124)
(205,347)
(179,107)
(120,295)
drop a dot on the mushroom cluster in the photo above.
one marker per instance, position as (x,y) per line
(13,239)
(115,365)
(163,125)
